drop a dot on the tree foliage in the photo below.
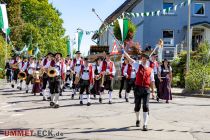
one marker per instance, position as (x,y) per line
(36,22)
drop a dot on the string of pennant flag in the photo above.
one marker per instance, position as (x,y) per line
(158,12)
(131,15)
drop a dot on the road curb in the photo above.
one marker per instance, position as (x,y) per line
(191,95)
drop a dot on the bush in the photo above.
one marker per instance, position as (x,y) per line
(198,76)
(178,66)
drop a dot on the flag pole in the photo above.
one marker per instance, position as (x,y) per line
(188,36)
(6,49)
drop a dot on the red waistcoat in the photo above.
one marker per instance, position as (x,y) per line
(104,66)
(143,76)
(129,71)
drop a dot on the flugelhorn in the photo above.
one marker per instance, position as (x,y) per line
(22,75)
(51,72)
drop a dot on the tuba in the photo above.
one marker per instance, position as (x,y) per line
(22,75)
(51,72)
(77,79)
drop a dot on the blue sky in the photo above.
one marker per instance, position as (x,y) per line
(78,14)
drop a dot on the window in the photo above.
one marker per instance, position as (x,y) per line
(167,4)
(168,37)
(199,9)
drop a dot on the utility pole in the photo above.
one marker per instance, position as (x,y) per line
(188,36)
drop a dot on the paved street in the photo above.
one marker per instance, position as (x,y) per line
(185,118)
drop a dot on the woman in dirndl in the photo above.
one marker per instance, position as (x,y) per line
(165,77)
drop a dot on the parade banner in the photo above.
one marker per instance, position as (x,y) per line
(79,36)
(4,25)
(68,46)
(36,51)
(123,23)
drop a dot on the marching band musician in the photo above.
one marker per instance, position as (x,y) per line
(108,72)
(97,81)
(68,73)
(76,67)
(55,82)
(46,62)
(144,79)
(31,67)
(15,69)
(130,75)
(86,81)
(22,67)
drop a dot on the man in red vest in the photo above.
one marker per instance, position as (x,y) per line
(130,75)
(15,69)
(45,64)
(75,67)
(86,81)
(55,82)
(108,72)
(144,79)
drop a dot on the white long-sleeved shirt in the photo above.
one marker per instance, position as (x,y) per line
(23,67)
(47,65)
(85,74)
(77,66)
(31,67)
(58,68)
(133,72)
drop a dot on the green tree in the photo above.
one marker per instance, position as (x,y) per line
(44,25)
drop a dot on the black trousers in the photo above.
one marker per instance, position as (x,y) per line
(55,85)
(15,75)
(142,93)
(9,75)
(68,77)
(130,83)
(45,79)
(122,82)
(108,84)
(157,82)
(84,86)
(29,79)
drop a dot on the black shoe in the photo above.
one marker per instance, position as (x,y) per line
(12,86)
(100,100)
(52,104)
(49,98)
(94,96)
(43,99)
(137,123)
(110,102)
(120,96)
(157,99)
(61,94)
(88,104)
(126,99)
(56,106)
(81,103)
(145,128)
(72,96)
(20,88)
(40,94)
(26,91)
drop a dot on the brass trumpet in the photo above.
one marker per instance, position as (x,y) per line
(51,72)
(22,76)
(36,76)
